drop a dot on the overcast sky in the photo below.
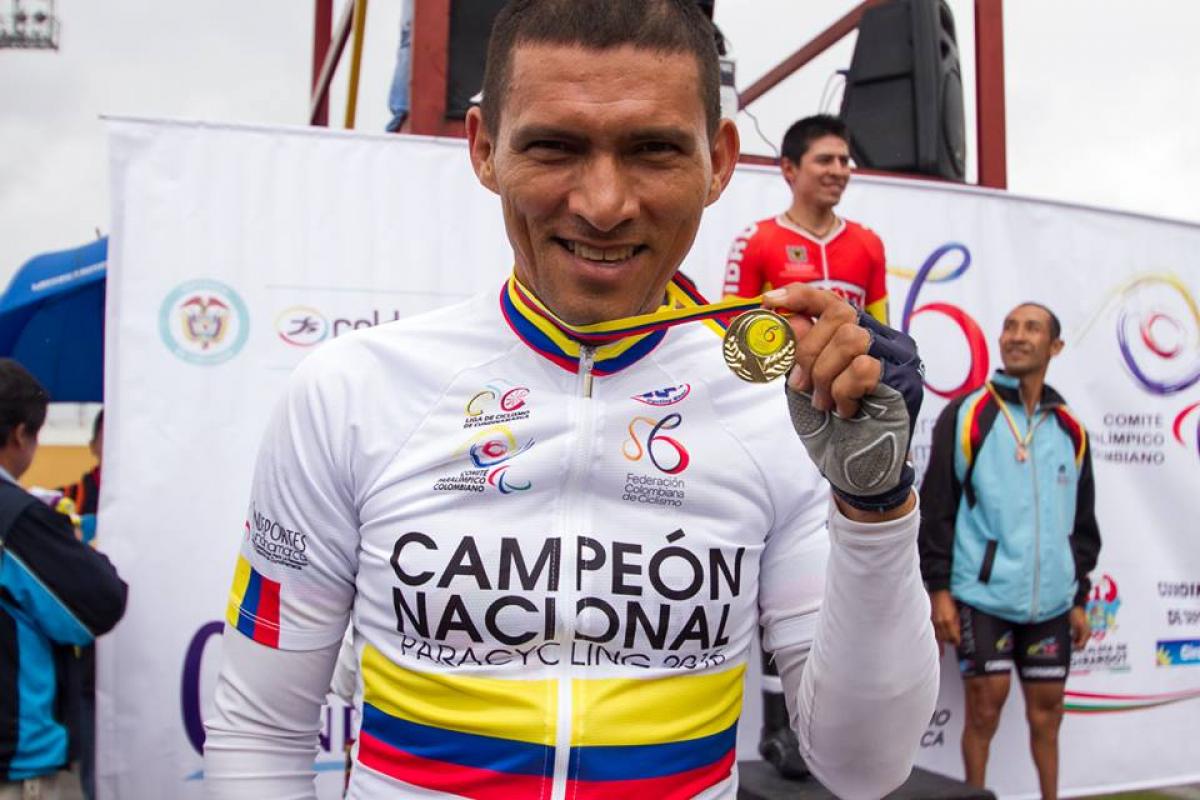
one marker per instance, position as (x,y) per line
(1103,106)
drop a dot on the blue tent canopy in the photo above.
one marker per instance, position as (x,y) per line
(52,321)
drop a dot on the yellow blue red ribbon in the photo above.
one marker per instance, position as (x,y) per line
(618,342)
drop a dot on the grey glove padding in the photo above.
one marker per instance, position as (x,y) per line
(861,456)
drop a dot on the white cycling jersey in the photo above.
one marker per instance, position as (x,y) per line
(555,557)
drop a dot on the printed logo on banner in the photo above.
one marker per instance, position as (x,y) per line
(203,322)
(1158,332)
(1178,653)
(933,270)
(935,733)
(1185,419)
(1102,608)
(1158,342)
(1103,652)
(306,326)
(1180,594)
(302,326)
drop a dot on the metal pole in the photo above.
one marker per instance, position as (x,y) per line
(819,44)
(990,133)
(320,94)
(360,25)
(430,66)
(322,24)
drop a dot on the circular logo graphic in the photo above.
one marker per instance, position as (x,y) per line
(302,326)
(203,322)
(759,346)
(1158,333)
(765,336)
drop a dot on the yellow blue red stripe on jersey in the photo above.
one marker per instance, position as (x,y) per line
(494,738)
(254,604)
(670,737)
(618,343)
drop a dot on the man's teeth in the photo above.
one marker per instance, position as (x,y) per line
(601,254)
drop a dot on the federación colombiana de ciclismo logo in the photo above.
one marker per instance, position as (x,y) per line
(203,322)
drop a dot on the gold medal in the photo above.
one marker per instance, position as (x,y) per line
(759,346)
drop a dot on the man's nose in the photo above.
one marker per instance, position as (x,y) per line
(605,196)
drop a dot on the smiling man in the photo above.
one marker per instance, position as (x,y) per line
(808,242)
(554,516)
(1008,539)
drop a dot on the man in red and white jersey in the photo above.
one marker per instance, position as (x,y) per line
(809,243)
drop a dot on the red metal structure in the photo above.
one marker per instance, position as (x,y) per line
(430,66)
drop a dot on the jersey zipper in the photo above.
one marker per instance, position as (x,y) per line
(574,521)
(1037,518)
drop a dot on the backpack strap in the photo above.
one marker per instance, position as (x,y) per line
(1074,429)
(979,414)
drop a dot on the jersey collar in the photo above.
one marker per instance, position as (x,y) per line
(1009,388)
(543,332)
(839,226)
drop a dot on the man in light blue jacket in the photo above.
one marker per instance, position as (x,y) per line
(1008,538)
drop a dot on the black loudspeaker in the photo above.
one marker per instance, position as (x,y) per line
(470,28)
(903,100)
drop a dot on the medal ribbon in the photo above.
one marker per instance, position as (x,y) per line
(1022,441)
(619,342)
(685,304)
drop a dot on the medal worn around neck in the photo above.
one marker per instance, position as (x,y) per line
(760,346)
(1023,442)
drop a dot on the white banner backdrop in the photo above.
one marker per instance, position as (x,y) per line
(235,251)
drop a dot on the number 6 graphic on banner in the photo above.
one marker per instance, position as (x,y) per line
(977,372)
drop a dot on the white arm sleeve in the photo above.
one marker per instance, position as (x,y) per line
(860,698)
(262,736)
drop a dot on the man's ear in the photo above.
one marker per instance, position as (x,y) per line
(482,149)
(726,147)
(19,436)
(1056,347)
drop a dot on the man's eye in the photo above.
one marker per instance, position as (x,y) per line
(657,148)
(547,146)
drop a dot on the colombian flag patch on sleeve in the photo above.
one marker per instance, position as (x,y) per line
(254,604)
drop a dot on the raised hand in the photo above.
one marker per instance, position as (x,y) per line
(854,395)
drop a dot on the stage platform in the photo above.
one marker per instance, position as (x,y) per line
(759,781)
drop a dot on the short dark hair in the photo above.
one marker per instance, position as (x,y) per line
(806,131)
(669,26)
(97,424)
(22,400)
(1055,325)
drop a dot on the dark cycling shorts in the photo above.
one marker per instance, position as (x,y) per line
(992,646)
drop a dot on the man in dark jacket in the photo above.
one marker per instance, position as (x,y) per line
(56,593)
(1008,537)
